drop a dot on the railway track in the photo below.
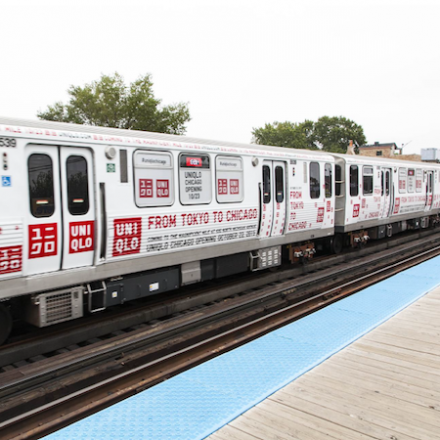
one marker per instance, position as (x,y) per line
(39,397)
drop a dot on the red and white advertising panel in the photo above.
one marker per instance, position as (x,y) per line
(153,173)
(229,177)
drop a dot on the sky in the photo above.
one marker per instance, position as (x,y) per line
(239,64)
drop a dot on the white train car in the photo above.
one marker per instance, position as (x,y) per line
(378,197)
(93,217)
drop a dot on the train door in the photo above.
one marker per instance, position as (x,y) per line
(61,218)
(386,192)
(273,199)
(429,190)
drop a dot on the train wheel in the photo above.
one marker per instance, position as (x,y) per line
(5,323)
(337,244)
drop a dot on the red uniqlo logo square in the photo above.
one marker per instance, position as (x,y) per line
(10,259)
(128,235)
(81,236)
(356,209)
(222,186)
(234,186)
(145,188)
(43,240)
(320,217)
(162,188)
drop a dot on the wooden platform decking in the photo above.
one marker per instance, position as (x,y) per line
(386,385)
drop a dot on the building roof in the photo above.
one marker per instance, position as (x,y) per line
(379,145)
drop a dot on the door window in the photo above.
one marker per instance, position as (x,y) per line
(266,184)
(315,186)
(328,180)
(77,185)
(41,190)
(354,180)
(279,184)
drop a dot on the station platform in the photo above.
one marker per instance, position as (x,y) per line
(386,385)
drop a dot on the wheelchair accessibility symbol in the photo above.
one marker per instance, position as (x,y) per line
(6,181)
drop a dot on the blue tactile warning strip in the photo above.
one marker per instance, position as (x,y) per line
(196,403)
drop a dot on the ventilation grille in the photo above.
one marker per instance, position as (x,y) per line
(50,308)
(59,308)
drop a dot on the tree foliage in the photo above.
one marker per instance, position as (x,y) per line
(110,103)
(286,134)
(331,134)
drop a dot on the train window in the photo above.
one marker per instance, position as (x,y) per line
(367,180)
(279,184)
(195,179)
(266,184)
(411,180)
(123,166)
(328,180)
(77,185)
(229,179)
(402,180)
(315,185)
(153,178)
(429,182)
(382,182)
(354,180)
(387,183)
(419,180)
(338,180)
(41,189)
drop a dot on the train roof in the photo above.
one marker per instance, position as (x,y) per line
(372,160)
(123,136)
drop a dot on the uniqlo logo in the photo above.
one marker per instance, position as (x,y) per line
(396,205)
(234,186)
(356,209)
(163,188)
(128,234)
(10,259)
(222,186)
(82,235)
(43,240)
(320,217)
(145,188)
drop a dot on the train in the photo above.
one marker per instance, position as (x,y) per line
(93,217)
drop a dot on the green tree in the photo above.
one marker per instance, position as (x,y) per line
(286,134)
(110,103)
(331,134)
